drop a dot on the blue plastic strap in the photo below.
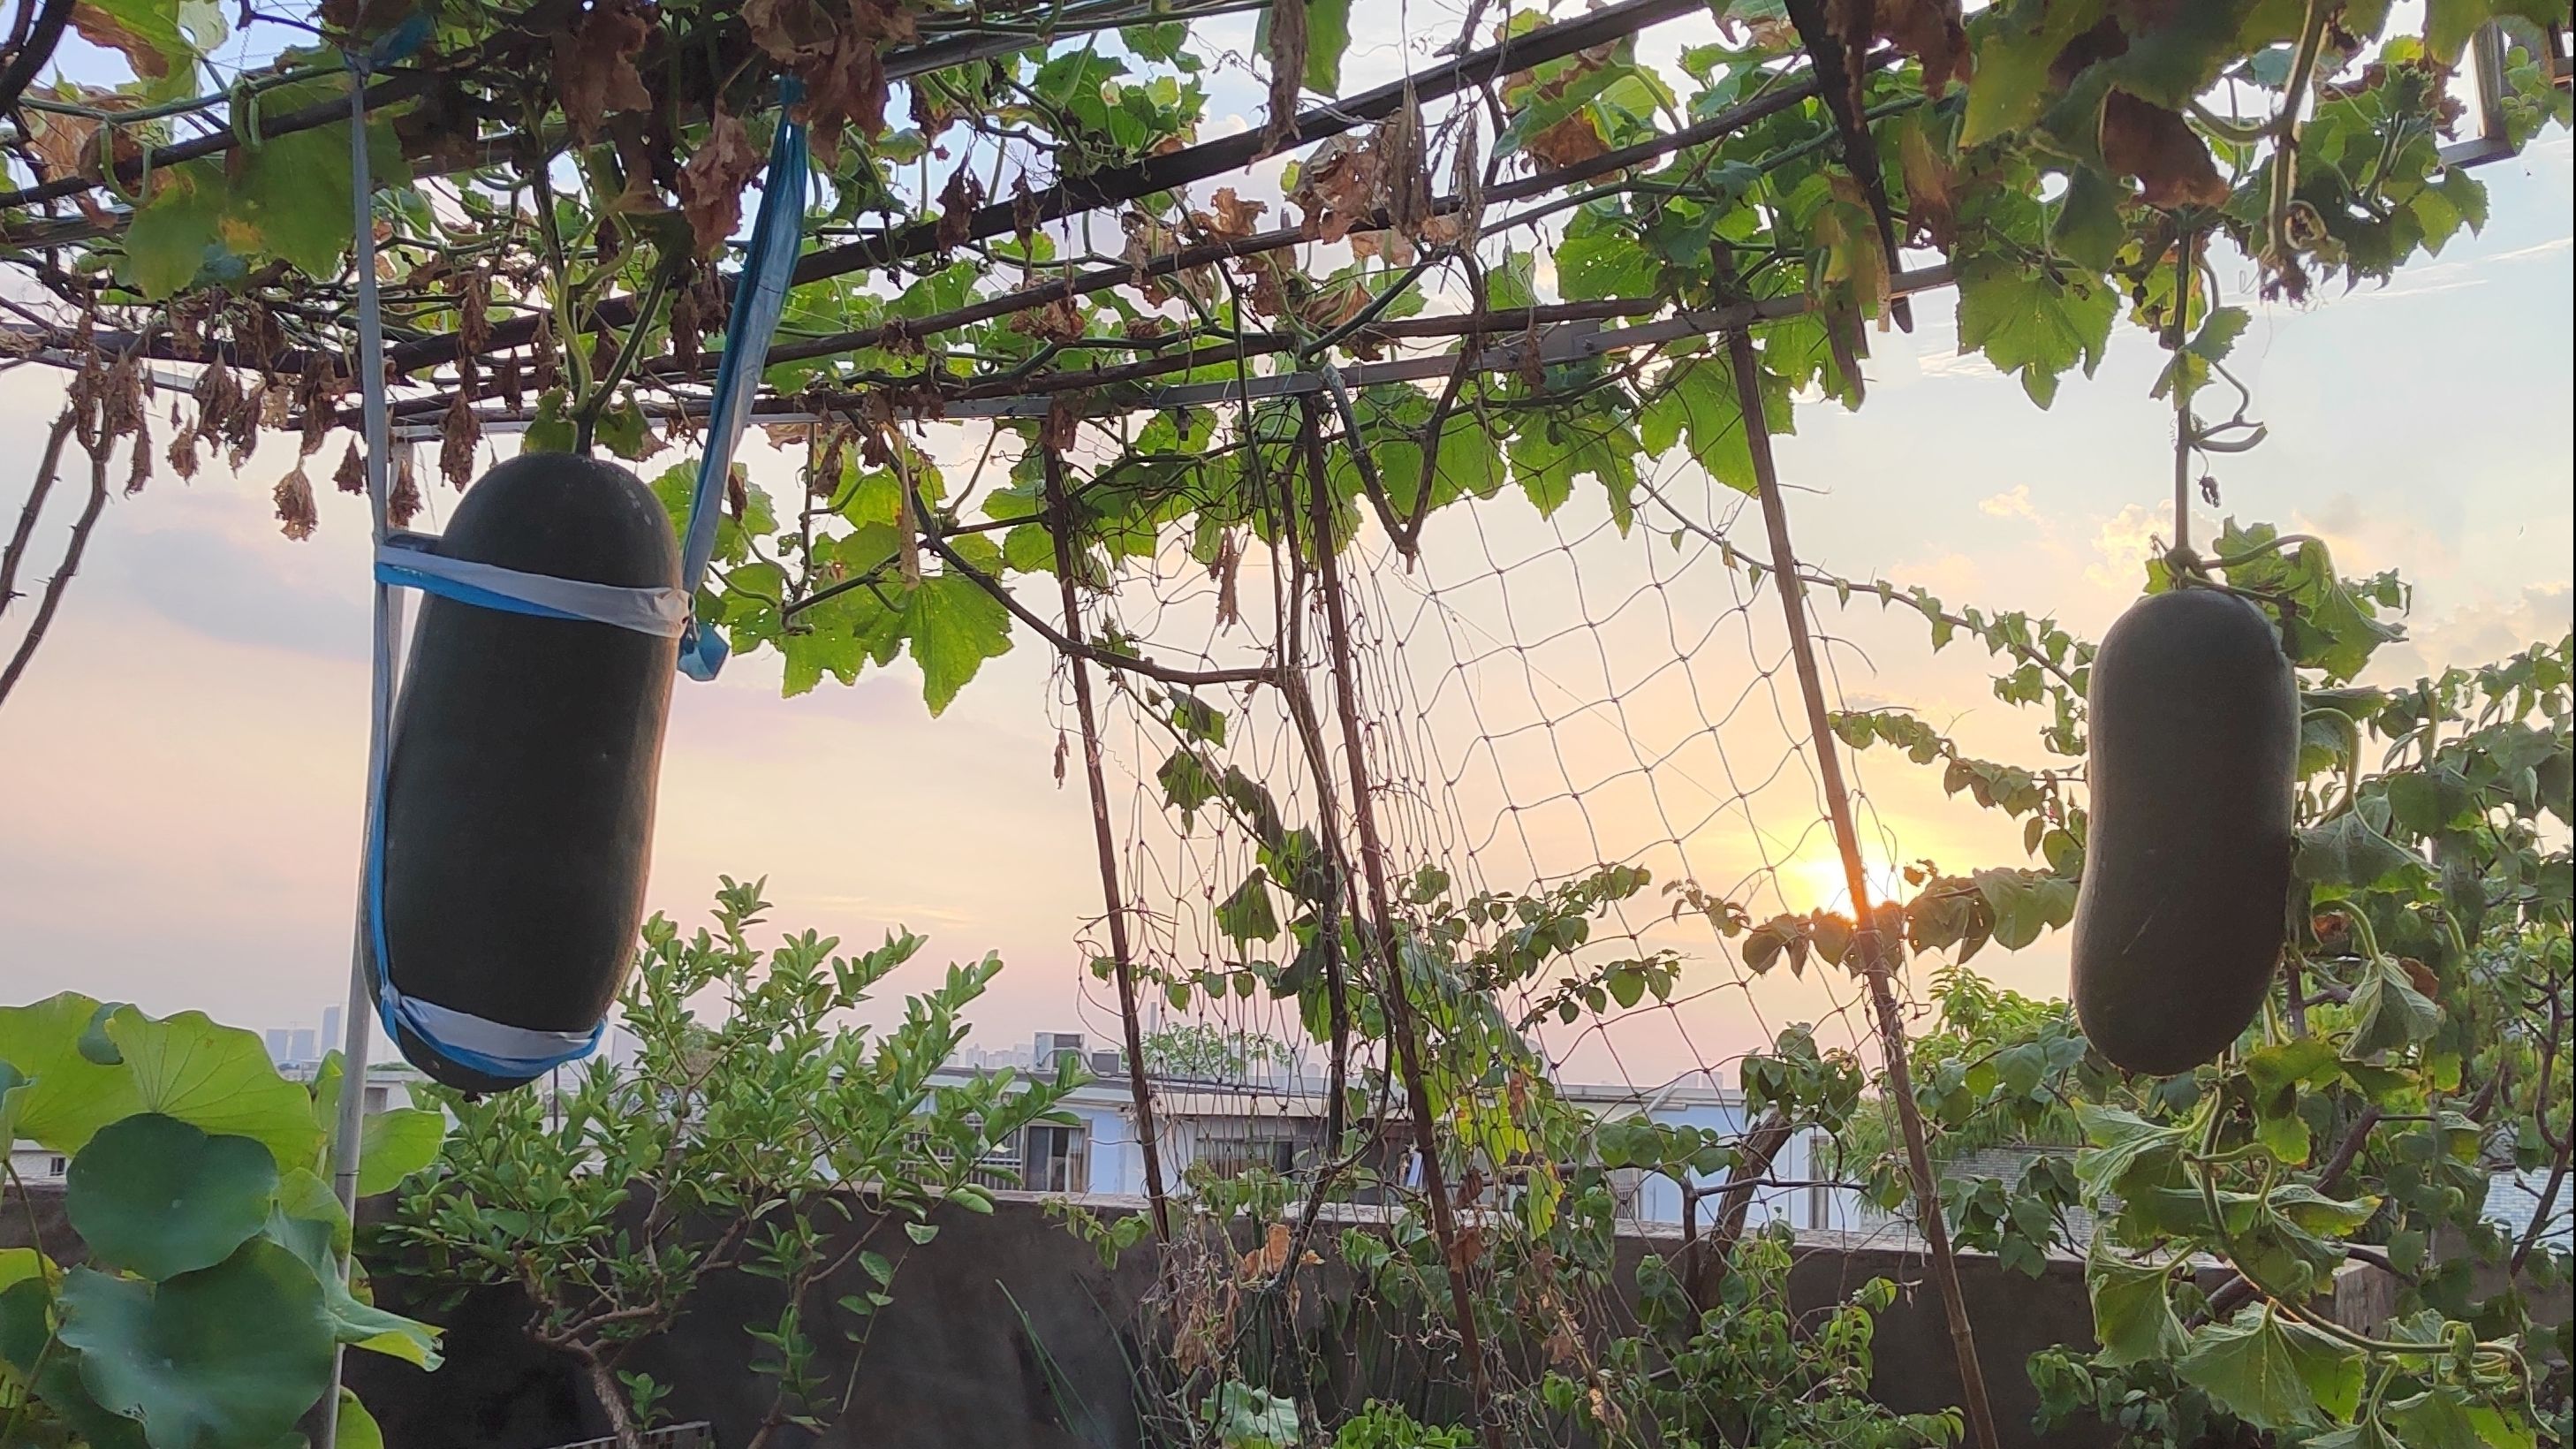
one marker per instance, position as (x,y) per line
(406,560)
(494,1048)
(759,298)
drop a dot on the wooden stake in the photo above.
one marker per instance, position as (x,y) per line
(1060,523)
(1401,1022)
(1872,953)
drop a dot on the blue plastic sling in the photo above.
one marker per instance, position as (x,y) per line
(407,560)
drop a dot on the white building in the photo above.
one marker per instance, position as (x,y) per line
(1276,1122)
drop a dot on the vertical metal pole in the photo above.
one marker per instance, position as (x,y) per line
(1873,955)
(387,638)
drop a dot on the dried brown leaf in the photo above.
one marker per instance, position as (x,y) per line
(404,504)
(1340,187)
(106,31)
(460,434)
(295,512)
(958,202)
(1287,72)
(352,475)
(2160,149)
(594,71)
(712,180)
(1569,142)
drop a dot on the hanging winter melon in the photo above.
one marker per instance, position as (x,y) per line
(2194,721)
(517,815)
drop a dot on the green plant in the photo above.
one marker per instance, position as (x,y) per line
(1205,1050)
(2414,1039)
(1384,1426)
(196,1188)
(767,1138)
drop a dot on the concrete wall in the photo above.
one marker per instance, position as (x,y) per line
(1006,1333)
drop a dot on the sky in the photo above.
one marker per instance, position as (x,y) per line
(181,770)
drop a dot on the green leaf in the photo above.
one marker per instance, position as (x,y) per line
(954,627)
(395,1144)
(2447,1418)
(232,1354)
(2315,1212)
(2388,1013)
(2424,801)
(2273,1069)
(1328,34)
(1246,914)
(1699,400)
(173,231)
(2347,852)
(2010,82)
(2274,1373)
(1605,262)
(2034,323)
(2123,1145)
(26,1327)
(356,1428)
(316,1234)
(65,1097)
(155,1195)
(217,1078)
(2088,230)
(13,1087)
(1196,719)
(2133,1315)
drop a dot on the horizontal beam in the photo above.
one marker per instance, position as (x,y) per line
(1565,342)
(1120,184)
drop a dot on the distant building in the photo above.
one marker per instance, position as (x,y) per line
(1274,1120)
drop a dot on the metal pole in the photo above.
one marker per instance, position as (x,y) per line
(388,617)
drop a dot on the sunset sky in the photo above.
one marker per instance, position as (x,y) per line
(180,774)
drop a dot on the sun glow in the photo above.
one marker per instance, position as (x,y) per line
(1816,881)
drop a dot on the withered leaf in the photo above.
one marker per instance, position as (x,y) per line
(460,434)
(958,201)
(1340,187)
(1569,142)
(2159,147)
(1931,32)
(296,517)
(595,71)
(1929,206)
(1287,72)
(404,504)
(108,32)
(712,179)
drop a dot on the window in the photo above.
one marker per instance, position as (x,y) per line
(1055,1159)
(1229,1149)
(58,1167)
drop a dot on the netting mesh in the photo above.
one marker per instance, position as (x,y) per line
(1537,696)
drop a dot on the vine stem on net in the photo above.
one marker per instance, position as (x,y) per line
(1121,962)
(1871,952)
(52,597)
(2178,331)
(1403,1025)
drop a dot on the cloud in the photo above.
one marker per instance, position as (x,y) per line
(2482,633)
(2126,542)
(2012,503)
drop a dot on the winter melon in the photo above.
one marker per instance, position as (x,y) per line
(518,799)
(2194,718)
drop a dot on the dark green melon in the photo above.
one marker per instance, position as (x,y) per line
(519,795)
(2194,720)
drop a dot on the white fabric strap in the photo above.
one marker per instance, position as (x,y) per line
(406,560)
(453,1029)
